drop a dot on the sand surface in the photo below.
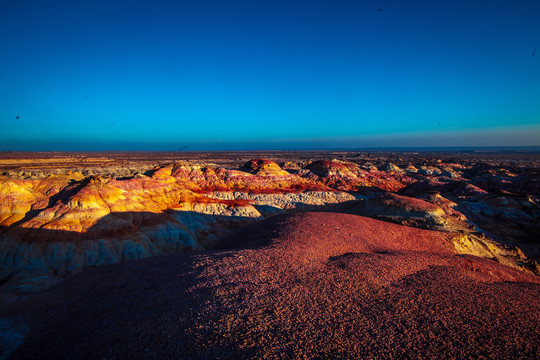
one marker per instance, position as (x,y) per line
(306,285)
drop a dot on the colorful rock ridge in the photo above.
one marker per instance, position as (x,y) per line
(54,223)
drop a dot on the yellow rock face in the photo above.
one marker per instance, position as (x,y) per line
(66,222)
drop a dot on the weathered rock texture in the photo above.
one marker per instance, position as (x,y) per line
(58,225)
(55,222)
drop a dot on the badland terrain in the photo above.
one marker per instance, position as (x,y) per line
(270,255)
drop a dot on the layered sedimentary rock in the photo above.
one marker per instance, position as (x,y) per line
(437,213)
(61,224)
(347,176)
(54,222)
(403,210)
(263,167)
(509,218)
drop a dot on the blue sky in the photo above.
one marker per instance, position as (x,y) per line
(225,75)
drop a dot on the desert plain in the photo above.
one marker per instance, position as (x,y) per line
(270,255)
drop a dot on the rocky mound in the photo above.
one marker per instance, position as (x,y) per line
(510,218)
(430,186)
(324,233)
(527,182)
(312,285)
(402,210)
(439,213)
(53,227)
(263,167)
(347,176)
(326,168)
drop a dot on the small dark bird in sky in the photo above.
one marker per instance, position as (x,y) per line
(533,52)
(85,96)
(16,117)
(379,10)
(112,122)
(439,124)
(183,148)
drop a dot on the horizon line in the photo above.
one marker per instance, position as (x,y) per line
(529,148)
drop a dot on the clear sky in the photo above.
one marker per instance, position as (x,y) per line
(225,75)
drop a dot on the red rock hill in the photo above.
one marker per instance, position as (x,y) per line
(309,285)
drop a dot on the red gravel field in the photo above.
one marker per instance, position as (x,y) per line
(305,285)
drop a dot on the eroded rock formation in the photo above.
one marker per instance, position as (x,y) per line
(55,226)
(55,222)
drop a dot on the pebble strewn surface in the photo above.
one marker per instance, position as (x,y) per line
(307,285)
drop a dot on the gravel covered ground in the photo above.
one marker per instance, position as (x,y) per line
(306,285)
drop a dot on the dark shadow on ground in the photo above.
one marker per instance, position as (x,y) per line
(249,304)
